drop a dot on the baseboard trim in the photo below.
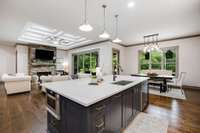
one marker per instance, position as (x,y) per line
(191,87)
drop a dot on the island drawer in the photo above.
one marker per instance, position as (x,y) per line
(99,123)
(99,108)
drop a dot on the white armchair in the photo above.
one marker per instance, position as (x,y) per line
(17,83)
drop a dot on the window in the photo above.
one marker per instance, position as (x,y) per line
(170,62)
(85,62)
(159,60)
(156,60)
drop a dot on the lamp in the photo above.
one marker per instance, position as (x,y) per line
(116,40)
(105,34)
(86,27)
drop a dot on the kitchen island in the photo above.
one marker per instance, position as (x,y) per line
(74,106)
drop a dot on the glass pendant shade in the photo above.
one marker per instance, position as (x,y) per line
(145,49)
(104,35)
(86,27)
(117,40)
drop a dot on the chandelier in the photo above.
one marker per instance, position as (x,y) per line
(151,43)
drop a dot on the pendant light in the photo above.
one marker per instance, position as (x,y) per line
(116,40)
(151,43)
(105,34)
(86,27)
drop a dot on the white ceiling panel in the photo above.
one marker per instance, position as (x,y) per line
(169,18)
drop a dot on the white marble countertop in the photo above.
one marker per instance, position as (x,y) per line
(80,92)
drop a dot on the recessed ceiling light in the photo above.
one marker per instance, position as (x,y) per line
(131,4)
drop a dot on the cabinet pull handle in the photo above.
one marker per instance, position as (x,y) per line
(100,108)
(100,125)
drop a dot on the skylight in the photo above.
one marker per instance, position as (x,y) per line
(34,33)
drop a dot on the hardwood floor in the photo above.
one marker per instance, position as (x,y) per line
(22,113)
(26,113)
(183,116)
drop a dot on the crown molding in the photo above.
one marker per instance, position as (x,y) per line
(168,39)
(90,44)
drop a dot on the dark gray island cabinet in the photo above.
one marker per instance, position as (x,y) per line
(110,115)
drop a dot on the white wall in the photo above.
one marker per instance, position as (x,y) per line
(122,56)
(7,59)
(22,59)
(189,55)
(61,58)
(189,58)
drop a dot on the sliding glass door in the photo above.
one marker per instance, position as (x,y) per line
(85,62)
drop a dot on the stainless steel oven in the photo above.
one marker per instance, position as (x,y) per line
(53,104)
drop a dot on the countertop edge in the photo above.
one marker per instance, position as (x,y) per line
(95,101)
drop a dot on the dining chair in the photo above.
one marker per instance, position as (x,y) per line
(177,83)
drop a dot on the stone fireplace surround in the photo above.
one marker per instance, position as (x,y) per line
(40,68)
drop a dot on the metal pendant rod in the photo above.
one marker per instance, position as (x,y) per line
(116,16)
(104,15)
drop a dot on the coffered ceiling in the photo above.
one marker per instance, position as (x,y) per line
(169,18)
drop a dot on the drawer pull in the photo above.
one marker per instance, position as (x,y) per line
(100,108)
(100,125)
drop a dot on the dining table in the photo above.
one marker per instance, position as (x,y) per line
(164,78)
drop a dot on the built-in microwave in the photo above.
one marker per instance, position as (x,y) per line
(53,104)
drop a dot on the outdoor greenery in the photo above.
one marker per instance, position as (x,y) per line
(86,62)
(158,60)
(115,60)
(171,63)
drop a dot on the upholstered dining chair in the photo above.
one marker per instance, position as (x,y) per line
(177,83)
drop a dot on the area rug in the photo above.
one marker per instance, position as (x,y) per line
(173,93)
(145,123)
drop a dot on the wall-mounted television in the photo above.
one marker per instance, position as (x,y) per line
(41,54)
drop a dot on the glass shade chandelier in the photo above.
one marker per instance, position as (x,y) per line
(105,34)
(151,43)
(86,27)
(116,40)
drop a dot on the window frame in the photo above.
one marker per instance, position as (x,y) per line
(78,54)
(163,61)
